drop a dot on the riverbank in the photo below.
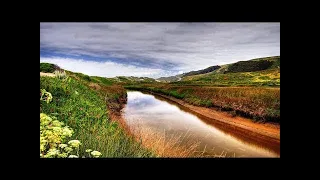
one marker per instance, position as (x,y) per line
(267,132)
(258,104)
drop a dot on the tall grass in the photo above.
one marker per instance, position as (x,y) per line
(60,74)
(166,145)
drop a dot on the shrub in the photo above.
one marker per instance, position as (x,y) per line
(47,67)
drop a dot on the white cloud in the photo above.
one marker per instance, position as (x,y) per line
(168,46)
(103,69)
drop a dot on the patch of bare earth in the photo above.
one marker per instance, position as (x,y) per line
(47,74)
(95,86)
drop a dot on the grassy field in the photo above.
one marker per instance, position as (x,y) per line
(85,110)
(270,77)
(258,103)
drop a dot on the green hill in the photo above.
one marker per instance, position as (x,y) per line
(255,72)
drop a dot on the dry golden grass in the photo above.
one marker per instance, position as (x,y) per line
(174,145)
(169,146)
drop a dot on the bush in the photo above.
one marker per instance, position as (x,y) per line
(47,67)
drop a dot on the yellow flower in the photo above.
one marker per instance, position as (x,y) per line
(68,149)
(63,146)
(74,143)
(67,132)
(73,156)
(63,155)
(88,150)
(95,154)
(52,153)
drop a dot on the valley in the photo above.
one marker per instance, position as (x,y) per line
(232,108)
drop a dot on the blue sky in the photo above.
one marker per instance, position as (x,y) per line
(154,49)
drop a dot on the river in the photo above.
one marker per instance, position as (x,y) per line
(161,115)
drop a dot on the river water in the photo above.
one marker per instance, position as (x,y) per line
(161,115)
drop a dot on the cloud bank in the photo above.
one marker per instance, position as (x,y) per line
(105,69)
(154,49)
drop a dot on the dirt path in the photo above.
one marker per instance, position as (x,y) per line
(47,74)
(266,131)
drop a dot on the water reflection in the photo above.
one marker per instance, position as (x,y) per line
(160,115)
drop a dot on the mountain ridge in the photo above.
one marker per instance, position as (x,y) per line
(252,65)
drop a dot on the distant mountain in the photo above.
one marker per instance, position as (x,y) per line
(203,71)
(171,78)
(252,65)
(133,79)
(179,76)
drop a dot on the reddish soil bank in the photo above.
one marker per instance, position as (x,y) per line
(265,131)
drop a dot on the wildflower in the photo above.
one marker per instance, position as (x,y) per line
(52,153)
(63,146)
(73,156)
(74,143)
(68,149)
(95,154)
(67,132)
(42,115)
(88,150)
(56,129)
(57,123)
(63,155)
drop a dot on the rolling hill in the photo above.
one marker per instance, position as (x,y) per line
(246,69)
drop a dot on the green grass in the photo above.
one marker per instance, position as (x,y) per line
(270,77)
(102,80)
(86,112)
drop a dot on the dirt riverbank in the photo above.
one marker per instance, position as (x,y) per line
(265,131)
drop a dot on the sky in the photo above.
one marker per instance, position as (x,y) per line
(154,49)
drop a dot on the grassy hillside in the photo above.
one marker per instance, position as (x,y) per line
(203,71)
(269,77)
(207,76)
(132,79)
(170,78)
(86,109)
(252,65)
